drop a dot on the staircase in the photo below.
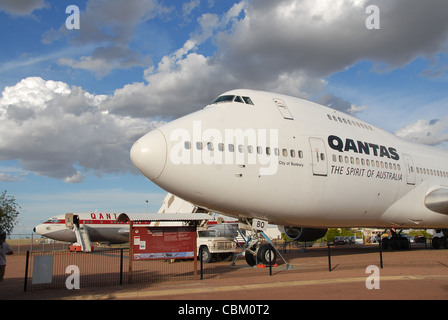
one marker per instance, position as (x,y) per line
(82,237)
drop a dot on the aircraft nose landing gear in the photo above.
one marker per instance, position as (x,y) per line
(259,249)
(265,254)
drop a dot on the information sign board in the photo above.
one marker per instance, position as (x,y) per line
(163,242)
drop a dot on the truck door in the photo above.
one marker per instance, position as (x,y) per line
(319,157)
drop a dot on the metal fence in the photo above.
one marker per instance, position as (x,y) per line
(46,270)
(23,242)
(60,269)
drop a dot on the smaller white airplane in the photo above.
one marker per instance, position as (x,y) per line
(105,227)
(101,227)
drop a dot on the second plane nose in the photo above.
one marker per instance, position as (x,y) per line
(149,154)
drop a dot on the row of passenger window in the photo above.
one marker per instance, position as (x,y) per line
(432,172)
(387,165)
(353,123)
(366,162)
(210,146)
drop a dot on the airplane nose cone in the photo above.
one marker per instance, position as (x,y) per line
(149,154)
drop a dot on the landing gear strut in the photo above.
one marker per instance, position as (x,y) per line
(259,248)
(440,241)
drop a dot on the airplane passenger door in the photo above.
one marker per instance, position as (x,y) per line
(281,105)
(319,157)
(410,170)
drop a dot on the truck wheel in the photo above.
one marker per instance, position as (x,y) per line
(206,255)
(266,254)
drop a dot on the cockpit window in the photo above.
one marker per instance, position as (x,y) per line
(238,99)
(248,100)
(224,99)
(230,98)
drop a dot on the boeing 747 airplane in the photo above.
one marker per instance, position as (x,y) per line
(270,158)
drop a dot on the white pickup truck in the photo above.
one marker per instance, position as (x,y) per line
(214,245)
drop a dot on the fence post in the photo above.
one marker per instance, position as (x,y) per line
(121,266)
(202,262)
(270,262)
(26,270)
(381,253)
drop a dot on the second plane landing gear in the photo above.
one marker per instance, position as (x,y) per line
(440,239)
(396,242)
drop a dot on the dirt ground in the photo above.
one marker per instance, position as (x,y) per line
(407,275)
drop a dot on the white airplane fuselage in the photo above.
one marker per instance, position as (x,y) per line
(101,227)
(295,163)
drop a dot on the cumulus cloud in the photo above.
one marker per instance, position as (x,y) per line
(433,132)
(21,8)
(335,102)
(287,46)
(60,131)
(321,37)
(108,25)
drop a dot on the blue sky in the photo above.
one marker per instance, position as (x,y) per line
(74,101)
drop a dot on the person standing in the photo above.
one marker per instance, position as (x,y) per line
(5,249)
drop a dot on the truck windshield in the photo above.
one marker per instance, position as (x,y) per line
(207,233)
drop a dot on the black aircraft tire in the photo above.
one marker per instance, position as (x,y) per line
(264,252)
(436,243)
(250,259)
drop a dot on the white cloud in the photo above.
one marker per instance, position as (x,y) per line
(288,46)
(285,46)
(432,132)
(110,26)
(53,130)
(332,101)
(21,8)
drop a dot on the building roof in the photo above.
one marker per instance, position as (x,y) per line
(142,217)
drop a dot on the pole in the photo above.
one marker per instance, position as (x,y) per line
(131,249)
(26,270)
(202,262)
(381,253)
(329,257)
(195,256)
(121,266)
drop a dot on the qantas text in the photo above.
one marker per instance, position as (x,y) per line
(338,144)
